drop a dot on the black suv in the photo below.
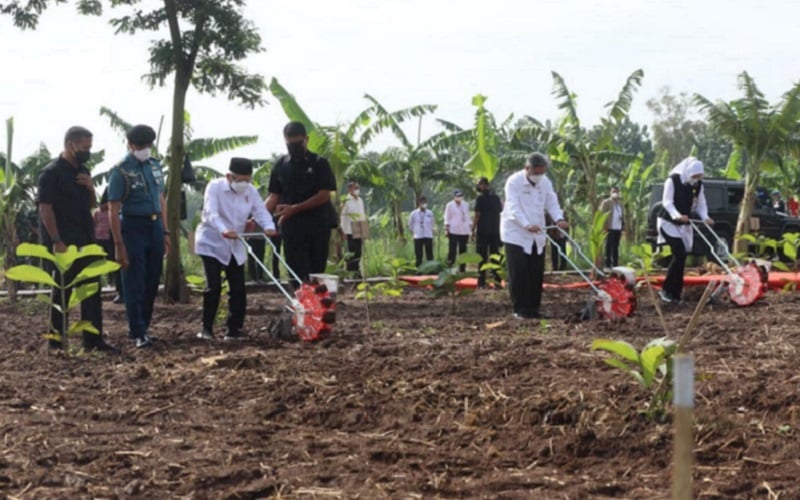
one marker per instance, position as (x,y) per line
(723,197)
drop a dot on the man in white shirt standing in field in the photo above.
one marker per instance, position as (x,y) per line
(227,205)
(354,225)
(458,225)
(421,223)
(529,193)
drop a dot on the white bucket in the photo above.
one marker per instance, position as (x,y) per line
(329,280)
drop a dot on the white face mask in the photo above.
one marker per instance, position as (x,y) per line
(615,195)
(459,198)
(356,192)
(535,178)
(693,181)
(142,154)
(423,206)
(239,186)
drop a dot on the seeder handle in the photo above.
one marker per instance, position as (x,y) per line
(694,223)
(577,247)
(264,267)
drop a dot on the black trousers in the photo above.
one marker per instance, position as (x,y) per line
(91,307)
(114,278)
(612,247)
(457,246)
(307,253)
(525,275)
(486,245)
(237,295)
(559,262)
(419,245)
(259,247)
(673,283)
(354,247)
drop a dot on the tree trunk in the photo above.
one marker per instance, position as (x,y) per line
(398,220)
(175,287)
(745,212)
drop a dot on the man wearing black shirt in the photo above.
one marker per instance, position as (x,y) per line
(66,197)
(300,195)
(486,227)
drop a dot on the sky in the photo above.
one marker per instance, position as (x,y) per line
(329,53)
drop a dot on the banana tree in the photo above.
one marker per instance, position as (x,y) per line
(592,153)
(761,133)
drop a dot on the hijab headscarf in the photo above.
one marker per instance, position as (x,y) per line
(687,168)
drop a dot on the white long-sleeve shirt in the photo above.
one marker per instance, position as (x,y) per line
(683,231)
(526,205)
(223,210)
(421,223)
(457,218)
(353,210)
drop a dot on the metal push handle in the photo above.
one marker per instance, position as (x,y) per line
(577,247)
(264,267)
(695,226)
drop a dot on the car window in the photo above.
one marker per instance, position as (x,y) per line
(735,197)
(715,197)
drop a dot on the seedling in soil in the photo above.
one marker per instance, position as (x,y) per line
(495,266)
(651,368)
(81,290)
(446,283)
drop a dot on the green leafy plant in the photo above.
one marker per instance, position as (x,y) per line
(495,266)
(81,290)
(651,368)
(446,283)
(597,237)
(760,245)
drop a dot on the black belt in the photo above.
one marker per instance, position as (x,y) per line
(141,217)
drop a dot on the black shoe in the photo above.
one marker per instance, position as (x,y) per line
(665,296)
(100,346)
(55,345)
(119,300)
(143,342)
(234,334)
(205,334)
(522,316)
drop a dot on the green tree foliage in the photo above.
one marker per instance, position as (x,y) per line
(762,134)
(207,38)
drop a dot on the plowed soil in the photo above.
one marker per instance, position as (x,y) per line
(415,402)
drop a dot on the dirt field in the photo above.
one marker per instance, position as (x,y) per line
(415,403)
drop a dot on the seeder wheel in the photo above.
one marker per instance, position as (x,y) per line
(747,284)
(619,299)
(315,314)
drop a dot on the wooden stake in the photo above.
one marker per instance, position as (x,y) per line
(683,402)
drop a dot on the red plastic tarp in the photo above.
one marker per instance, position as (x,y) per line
(777,281)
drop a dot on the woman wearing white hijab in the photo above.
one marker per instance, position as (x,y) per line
(683,194)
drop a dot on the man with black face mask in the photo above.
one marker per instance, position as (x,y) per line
(66,197)
(486,227)
(300,196)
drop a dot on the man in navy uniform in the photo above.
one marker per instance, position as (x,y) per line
(137,212)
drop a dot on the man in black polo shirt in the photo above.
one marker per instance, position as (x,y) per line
(65,197)
(486,227)
(299,194)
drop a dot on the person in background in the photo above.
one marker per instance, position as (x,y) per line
(614,223)
(228,204)
(777,203)
(422,224)
(102,233)
(557,260)
(354,226)
(138,215)
(528,194)
(65,198)
(792,206)
(457,226)
(300,188)
(683,186)
(486,227)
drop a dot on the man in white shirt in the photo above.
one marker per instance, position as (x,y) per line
(421,223)
(613,226)
(227,205)
(457,225)
(529,193)
(683,194)
(354,225)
